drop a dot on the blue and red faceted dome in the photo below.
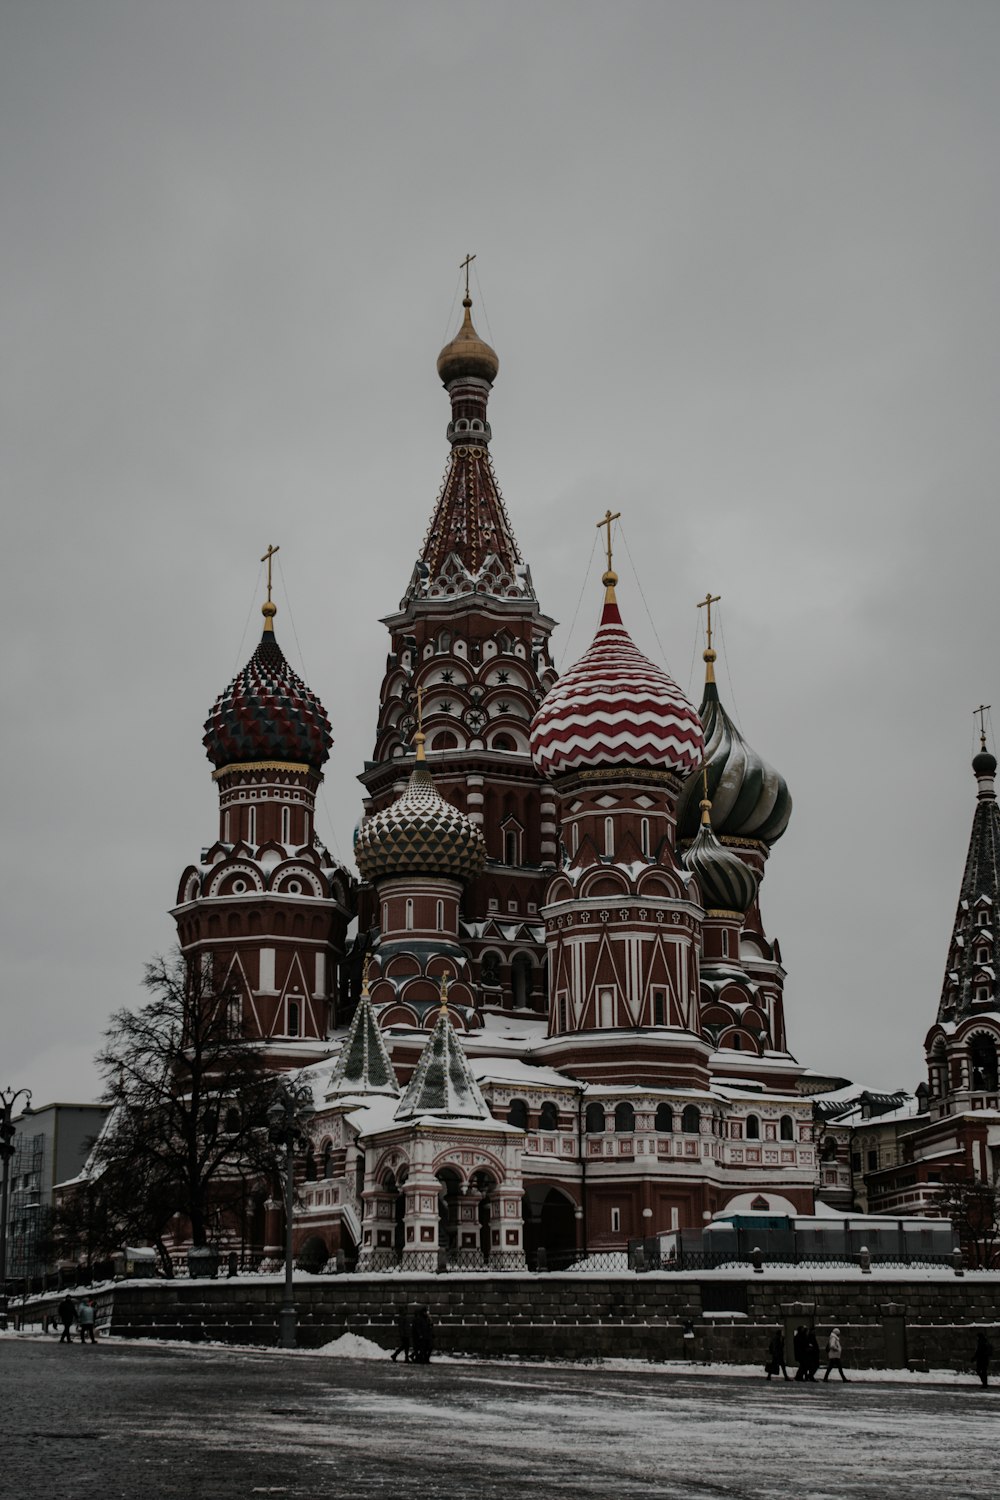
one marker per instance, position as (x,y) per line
(615,708)
(268,713)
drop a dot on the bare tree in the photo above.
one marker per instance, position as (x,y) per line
(189,1094)
(973,1207)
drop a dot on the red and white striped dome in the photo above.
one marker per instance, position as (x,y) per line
(615,708)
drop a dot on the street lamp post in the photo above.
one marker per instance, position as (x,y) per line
(8,1098)
(286,1118)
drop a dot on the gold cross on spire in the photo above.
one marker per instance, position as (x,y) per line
(269,610)
(607,520)
(464,266)
(444,992)
(708,655)
(982,711)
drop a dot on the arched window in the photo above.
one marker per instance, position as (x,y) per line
(489,971)
(251,825)
(595,1119)
(624,1119)
(409,914)
(310,1163)
(225,831)
(664,1119)
(286,825)
(787,1128)
(548,1119)
(517,1114)
(521,980)
(328,1159)
(644,835)
(509,847)
(609,835)
(439,916)
(829,1149)
(385,916)
(690,1120)
(753,1128)
(444,740)
(983,1058)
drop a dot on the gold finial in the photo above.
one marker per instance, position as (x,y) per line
(420,737)
(364,974)
(444,994)
(706,802)
(982,711)
(269,610)
(708,655)
(610,577)
(464,266)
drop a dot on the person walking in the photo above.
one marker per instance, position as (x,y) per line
(982,1356)
(812,1354)
(776,1355)
(86,1317)
(403,1334)
(67,1316)
(423,1337)
(800,1352)
(834,1355)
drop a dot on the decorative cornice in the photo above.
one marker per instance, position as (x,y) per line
(244,767)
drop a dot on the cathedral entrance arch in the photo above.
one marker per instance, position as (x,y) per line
(449,1198)
(549,1226)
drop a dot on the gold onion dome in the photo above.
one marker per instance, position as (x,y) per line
(419,834)
(467,354)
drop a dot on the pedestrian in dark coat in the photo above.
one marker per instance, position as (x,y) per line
(403,1335)
(800,1349)
(812,1354)
(423,1337)
(982,1357)
(834,1354)
(67,1316)
(776,1356)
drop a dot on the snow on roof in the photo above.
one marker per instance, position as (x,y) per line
(512,1070)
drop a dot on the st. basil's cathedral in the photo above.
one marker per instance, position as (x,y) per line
(548,1019)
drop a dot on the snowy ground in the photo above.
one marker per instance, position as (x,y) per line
(127,1420)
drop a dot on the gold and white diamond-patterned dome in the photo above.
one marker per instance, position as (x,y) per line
(419,834)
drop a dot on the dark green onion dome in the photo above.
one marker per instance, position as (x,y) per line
(420,834)
(727,883)
(750,799)
(984,764)
(267,713)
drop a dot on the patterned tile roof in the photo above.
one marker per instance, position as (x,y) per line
(267,713)
(615,708)
(420,833)
(364,1066)
(442,1082)
(727,883)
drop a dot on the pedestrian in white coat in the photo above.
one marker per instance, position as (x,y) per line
(834,1354)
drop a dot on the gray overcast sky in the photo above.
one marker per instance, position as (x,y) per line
(741,264)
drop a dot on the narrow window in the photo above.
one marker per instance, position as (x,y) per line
(575,838)
(385,916)
(616,1220)
(644,835)
(691,1120)
(624,1119)
(517,1114)
(562,1012)
(293,1018)
(595,1119)
(787,1128)
(753,1128)
(440,916)
(609,835)
(286,825)
(725,944)
(409,915)
(251,825)
(225,829)
(548,1119)
(510,847)
(664,1119)
(659,1007)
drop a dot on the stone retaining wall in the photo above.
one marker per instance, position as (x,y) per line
(884,1322)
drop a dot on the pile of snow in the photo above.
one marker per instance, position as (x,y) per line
(352,1346)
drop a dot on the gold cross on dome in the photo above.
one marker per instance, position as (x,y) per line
(444,992)
(364,973)
(464,266)
(608,518)
(267,558)
(706,604)
(982,711)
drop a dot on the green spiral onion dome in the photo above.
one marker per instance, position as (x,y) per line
(727,884)
(750,799)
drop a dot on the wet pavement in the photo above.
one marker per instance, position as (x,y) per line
(146,1423)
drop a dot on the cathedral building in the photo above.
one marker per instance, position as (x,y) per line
(569,1030)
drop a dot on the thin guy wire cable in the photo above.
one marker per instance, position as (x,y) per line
(583,589)
(729,676)
(451,311)
(253,599)
(694,655)
(305,673)
(619,530)
(482,303)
